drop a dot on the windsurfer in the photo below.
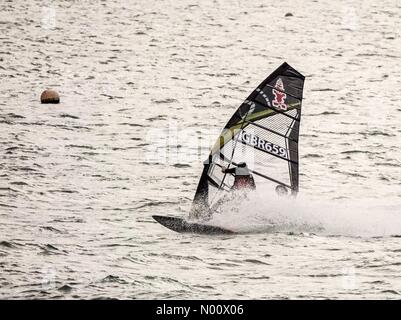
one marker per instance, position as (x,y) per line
(243,179)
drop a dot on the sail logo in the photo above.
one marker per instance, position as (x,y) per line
(279,96)
(261,144)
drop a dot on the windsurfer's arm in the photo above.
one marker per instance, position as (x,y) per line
(225,170)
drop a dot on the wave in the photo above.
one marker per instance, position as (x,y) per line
(341,217)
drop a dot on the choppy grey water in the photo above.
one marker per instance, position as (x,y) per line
(80,180)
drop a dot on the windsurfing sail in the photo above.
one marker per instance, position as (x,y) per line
(263,132)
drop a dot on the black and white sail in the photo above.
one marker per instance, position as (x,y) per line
(263,132)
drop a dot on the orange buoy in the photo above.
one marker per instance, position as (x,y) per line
(49,96)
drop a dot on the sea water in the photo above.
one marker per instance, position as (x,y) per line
(145,90)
